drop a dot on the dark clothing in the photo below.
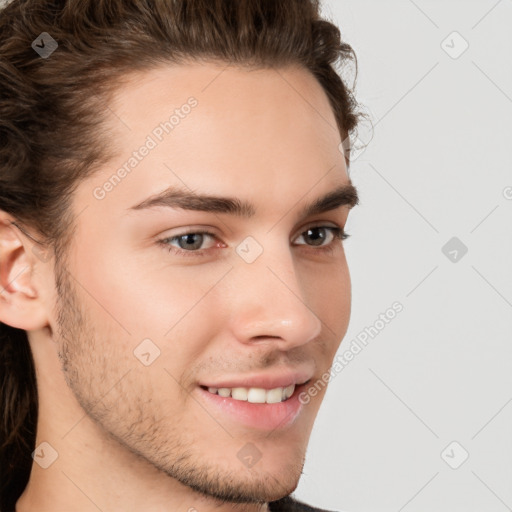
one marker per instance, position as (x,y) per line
(289,504)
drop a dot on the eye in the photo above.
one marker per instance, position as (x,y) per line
(191,243)
(317,234)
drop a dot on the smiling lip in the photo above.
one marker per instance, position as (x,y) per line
(256,416)
(259,416)
(277,379)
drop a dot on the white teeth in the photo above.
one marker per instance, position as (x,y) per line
(239,394)
(256,395)
(275,395)
(288,391)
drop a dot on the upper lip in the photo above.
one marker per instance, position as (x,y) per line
(268,380)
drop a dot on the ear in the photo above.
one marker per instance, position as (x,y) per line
(21,305)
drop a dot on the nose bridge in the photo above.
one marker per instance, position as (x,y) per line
(270,302)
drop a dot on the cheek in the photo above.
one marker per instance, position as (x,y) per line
(137,291)
(329,294)
(136,299)
(132,348)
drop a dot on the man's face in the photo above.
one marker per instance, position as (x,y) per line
(144,327)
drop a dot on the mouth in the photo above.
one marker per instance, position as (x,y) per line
(255,395)
(260,408)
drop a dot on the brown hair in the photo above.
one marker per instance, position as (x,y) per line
(52,110)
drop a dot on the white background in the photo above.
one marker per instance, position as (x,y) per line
(438,167)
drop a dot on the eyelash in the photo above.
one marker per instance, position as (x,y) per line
(338,233)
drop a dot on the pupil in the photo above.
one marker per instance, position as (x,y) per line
(189,241)
(316,240)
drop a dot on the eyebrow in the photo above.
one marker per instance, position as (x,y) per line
(172,197)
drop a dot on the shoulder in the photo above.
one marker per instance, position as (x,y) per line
(289,504)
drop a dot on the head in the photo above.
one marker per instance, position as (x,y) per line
(105,287)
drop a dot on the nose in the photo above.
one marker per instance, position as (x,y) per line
(269,305)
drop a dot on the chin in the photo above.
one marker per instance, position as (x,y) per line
(259,486)
(226,475)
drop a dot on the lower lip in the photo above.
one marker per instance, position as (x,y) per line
(256,416)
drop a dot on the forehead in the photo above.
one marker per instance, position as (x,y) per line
(219,129)
(222,86)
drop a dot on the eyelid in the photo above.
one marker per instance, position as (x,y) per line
(318,224)
(207,230)
(337,231)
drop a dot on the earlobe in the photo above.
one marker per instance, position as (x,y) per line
(20,301)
